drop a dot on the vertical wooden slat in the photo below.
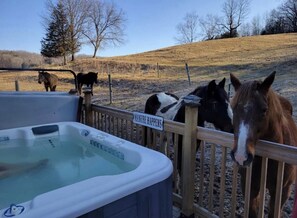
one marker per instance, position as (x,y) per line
(120,126)
(104,123)
(201,174)
(175,171)
(279,189)
(100,121)
(142,137)
(154,141)
(234,191)
(149,136)
(247,190)
(162,142)
(263,186)
(169,143)
(116,128)
(211,176)
(223,181)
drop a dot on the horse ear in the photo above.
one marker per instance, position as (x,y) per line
(222,83)
(211,87)
(235,82)
(265,85)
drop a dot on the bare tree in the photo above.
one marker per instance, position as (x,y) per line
(188,30)
(210,27)
(76,12)
(256,26)
(288,10)
(235,12)
(105,25)
(275,23)
(245,29)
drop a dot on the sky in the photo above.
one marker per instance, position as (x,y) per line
(150,24)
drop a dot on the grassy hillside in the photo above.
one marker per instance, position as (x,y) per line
(236,51)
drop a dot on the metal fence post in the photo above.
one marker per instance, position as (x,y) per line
(188,154)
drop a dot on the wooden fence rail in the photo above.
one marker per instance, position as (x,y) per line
(212,186)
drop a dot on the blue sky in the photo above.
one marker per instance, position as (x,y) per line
(151,24)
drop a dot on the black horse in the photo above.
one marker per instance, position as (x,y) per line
(214,108)
(50,80)
(88,79)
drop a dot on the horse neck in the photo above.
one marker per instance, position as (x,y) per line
(277,119)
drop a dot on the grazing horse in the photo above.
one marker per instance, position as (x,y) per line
(260,113)
(50,80)
(214,108)
(88,79)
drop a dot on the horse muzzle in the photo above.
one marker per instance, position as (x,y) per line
(242,160)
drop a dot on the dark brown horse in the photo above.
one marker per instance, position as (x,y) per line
(260,113)
(88,79)
(50,80)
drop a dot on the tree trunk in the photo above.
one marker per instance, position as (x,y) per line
(95,52)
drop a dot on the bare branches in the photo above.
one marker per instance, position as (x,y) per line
(100,23)
(210,27)
(105,25)
(188,29)
(235,12)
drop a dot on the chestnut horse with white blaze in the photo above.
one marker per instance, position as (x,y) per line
(260,113)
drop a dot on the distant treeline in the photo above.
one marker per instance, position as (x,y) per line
(23,59)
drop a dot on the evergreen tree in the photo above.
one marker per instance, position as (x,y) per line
(56,43)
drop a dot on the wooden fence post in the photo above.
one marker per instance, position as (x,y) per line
(17,87)
(88,101)
(188,154)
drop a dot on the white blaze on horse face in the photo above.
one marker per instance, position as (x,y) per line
(230,112)
(241,154)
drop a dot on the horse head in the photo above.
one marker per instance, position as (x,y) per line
(40,77)
(94,77)
(214,105)
(251,114)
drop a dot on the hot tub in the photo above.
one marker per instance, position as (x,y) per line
(81,171)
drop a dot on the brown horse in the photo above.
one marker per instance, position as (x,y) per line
(50,80)
(260,113)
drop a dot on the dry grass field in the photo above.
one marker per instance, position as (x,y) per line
(136,77)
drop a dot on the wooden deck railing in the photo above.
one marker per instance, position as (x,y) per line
(210,187)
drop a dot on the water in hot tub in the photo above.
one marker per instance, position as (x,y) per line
(62,161)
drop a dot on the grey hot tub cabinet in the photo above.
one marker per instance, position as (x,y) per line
(152,202)
(19,109)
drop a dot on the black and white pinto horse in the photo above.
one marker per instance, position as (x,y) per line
(214,108)
(87,79)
